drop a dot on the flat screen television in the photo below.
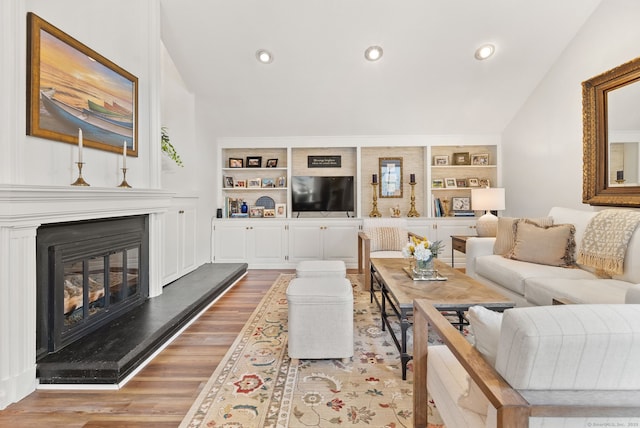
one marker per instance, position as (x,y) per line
(322,193)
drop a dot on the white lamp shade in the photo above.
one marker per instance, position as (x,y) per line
(487,199)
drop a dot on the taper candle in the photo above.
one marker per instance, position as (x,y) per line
(374,178)
(79,145)
(124,154)
(412,178)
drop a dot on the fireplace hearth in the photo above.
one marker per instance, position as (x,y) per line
(88,273)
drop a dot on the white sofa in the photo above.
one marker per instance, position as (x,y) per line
(532,284)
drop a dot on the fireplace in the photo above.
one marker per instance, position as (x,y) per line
(88,273)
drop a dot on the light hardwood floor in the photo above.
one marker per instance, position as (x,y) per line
(162,393)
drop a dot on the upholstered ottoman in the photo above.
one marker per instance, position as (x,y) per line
(320,318)
(322,268)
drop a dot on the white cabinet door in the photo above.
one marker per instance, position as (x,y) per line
(187,218)
(179,239)
(266,244)
(446,228)
(170,247)
(305,241)
(230,242)
(340,242)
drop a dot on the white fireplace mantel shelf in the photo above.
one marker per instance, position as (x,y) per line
(26,204)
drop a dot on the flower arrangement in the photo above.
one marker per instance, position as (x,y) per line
(422,249)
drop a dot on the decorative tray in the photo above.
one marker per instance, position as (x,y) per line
(435,277)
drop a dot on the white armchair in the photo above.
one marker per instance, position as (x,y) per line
(566,365)
(380,238)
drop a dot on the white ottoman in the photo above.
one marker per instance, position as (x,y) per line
(320,318)
(323,268)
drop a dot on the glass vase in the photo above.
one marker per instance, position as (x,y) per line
(424,268)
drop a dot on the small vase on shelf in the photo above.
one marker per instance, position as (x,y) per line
(244,208)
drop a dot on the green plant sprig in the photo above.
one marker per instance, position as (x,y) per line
(168,148)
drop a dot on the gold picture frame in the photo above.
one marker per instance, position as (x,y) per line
(72,87)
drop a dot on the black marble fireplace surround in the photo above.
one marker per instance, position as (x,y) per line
(88,273)
(114,347)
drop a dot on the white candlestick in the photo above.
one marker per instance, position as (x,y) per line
(79,145)
(124,154)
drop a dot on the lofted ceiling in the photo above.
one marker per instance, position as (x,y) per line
(427,82)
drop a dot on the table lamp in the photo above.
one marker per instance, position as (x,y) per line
(487,199)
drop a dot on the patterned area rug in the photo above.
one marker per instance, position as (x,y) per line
(257,386)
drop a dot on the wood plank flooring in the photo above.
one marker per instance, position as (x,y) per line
(162,393)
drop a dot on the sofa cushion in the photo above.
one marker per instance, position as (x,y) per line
(485,326)
(550,245)
(506,235)
(511,274)
(541,291)
(632,260)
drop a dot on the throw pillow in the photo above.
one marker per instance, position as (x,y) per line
(551,245)
(485,325)
(505,235)
(387,238)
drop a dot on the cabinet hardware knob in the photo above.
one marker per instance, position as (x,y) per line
(181,212)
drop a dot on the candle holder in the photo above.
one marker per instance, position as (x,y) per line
(124,179)
(80,181)
(374,210)
(413,212)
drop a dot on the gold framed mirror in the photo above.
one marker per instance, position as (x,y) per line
(611,137)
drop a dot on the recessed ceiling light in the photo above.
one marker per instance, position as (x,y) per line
(264,56)
(373,53)
(485,51)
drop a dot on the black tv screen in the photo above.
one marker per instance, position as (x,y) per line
(322,193)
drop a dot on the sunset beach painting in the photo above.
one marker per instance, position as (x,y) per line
(71,87)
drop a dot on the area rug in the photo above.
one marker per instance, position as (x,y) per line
(257,386)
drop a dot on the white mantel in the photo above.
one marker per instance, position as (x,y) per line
(23,208)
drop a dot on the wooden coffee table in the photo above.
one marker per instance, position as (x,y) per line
(394,290)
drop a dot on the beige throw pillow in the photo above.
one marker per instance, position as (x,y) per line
(505,235)
(387,238)
(551,245)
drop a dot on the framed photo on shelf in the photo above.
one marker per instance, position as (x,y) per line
(473,182)
(269,212)
(461,182)
(272,163)
(236,163)
(461,158)
(390,177)
(240,183)
(450,182)
(481,159)
(254,182)
(254,161)
(437,183)
(461,203)
(228,181)
(256,212)
(281,210)
(484,182)
(281,181)
(268,182)
(441,160)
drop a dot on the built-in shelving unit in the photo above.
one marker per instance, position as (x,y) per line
(455,170)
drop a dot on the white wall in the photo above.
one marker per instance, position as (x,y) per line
(542,146)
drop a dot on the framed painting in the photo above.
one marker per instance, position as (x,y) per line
(390,177)
(73,90)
